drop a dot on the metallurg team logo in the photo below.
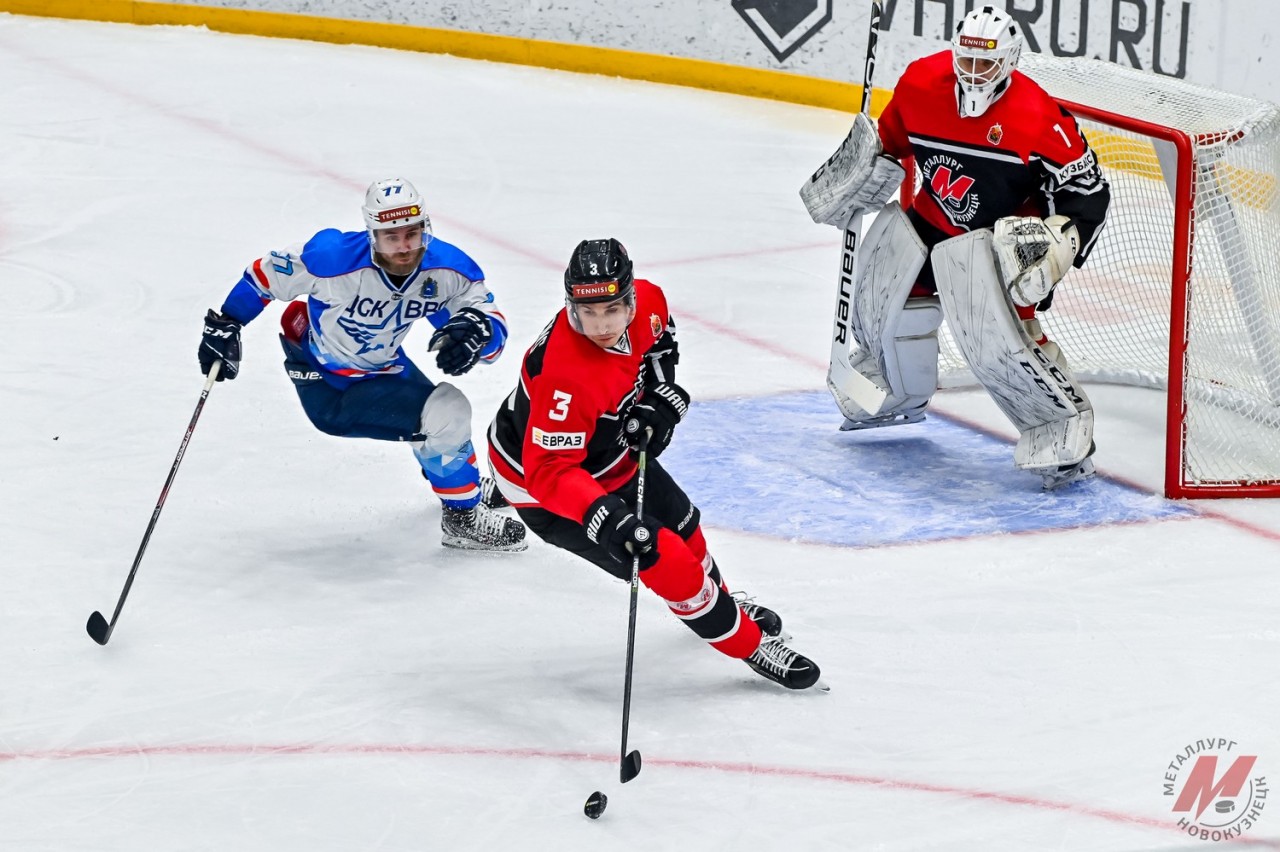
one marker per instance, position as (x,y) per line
(784,25)
(952,189)
(1218,792)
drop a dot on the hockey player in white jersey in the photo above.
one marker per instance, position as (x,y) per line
(359,293)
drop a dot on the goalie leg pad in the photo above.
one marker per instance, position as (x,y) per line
(896,338)
(1051,412)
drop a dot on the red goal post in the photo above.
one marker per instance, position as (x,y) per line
(1182,289)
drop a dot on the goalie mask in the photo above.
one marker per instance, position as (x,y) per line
(599,290)
(399,229)
(984,52)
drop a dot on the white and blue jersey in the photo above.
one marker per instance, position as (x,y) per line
(358,316)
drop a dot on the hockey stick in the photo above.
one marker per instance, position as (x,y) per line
(99,629)
(841,375)
(629,764)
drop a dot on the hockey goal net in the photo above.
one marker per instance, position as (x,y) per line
(1182,290)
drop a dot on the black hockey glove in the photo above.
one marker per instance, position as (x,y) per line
(662,407)
(611,524)
(221,342)
(460,340)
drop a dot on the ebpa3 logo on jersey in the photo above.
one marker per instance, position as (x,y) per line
(784,25)
(559,440)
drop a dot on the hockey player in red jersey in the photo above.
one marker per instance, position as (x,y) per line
(560,455)
(1011,198)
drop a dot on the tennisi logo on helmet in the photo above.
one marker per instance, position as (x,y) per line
(594,290)
(784,25)
(1217,795)
(398,213)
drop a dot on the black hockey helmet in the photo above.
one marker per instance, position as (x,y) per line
(599,271)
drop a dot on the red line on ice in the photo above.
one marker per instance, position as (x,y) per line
(748,769)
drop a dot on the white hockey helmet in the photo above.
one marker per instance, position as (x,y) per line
(394,203)
(984,52)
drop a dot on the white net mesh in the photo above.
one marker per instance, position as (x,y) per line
(1112,318)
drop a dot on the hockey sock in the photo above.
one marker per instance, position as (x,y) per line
(699,600)
(455,478)
(698,547)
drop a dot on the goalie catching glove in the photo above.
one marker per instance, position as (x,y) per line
(460,341)
(1033,255)
(858,177)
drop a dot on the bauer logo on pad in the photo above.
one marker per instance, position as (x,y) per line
(784,25)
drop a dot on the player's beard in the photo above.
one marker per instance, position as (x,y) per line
(400,263)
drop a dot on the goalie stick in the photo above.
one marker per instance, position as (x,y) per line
(98,627)
(840,375)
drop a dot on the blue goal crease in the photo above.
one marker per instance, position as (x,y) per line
(778,466)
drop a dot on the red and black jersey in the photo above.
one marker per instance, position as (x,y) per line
(1024,156)
(557,441)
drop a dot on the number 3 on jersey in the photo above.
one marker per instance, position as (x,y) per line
(562,400)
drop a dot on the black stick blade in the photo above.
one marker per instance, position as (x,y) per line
(630,766)
(99,630)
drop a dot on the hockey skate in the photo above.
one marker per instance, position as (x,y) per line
(490,495)
(1056,477)
(782,665)
(891,418)
(770,622)
(1067,474)
(480,528)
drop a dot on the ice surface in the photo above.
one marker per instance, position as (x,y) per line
(302,666)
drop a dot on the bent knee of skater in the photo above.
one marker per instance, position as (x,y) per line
(677,575)
(446,420)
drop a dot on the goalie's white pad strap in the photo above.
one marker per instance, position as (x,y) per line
(853,179)
(1035,393)
(895,340)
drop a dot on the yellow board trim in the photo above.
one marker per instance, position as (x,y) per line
(697,73)
(673,70)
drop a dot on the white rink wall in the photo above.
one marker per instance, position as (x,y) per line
(1216,43)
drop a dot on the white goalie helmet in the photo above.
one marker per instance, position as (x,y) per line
(394,203)
(984,52)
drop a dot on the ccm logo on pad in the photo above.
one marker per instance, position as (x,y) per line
(559,440)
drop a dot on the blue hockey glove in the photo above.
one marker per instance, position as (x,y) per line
(460,340)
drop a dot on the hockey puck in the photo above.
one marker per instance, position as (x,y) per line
(595,805)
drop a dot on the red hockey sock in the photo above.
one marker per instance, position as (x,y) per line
(742,641)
